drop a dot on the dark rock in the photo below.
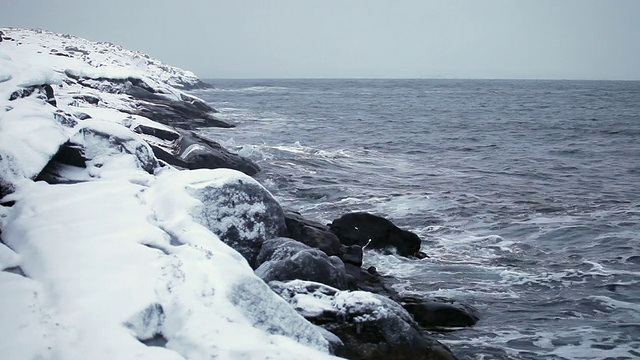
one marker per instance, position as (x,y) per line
(45,92)
(242,213)
(351,254)
(370,326)
(187,150)
(50,96)
(188,112)
(197,85)
(198,152)
(372,231)
(371,281)
(287,259)
(66,119)
(90,99)
(428,313)
(82,116)
(438,313)
(312,234)
(164,134)
(1,35)
(75,49)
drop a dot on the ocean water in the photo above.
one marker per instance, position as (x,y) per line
(526,195)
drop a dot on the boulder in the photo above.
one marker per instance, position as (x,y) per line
(186,149)
(428,313)
(98,146)
(240,211)
(287,259)
(351,254)
(201,153)
(439,313)
(312,233)
(369,325)
(370,280)
(375,232)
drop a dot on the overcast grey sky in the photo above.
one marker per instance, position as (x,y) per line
(567,39)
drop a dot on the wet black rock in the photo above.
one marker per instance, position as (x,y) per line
(428,313)
(199,152)
(188,150)
(439,313)
(312,233)
(351,254)
(375,232)
(287,259)
(371,281)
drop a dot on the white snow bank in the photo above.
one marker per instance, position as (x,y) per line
(8,258)
(106,72)
(110,262)
(29,137)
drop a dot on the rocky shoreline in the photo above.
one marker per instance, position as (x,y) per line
(79,117)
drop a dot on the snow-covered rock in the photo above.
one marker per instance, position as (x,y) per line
(234,206)
(112,263)
(370,326)
(96,148)
(77,79)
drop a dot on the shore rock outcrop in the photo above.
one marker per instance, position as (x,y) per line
(240,211)
(370,326)
(187,150)
(287,259)
(375,232)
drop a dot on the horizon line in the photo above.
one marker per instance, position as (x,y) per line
(412,78)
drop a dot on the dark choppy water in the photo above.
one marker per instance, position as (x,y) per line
(526,193)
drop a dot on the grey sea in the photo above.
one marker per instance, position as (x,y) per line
(526,195)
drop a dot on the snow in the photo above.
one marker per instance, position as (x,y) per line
(110,253)
(112,147)
(29,137)
(107,72)
(123,256)
(8,258)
